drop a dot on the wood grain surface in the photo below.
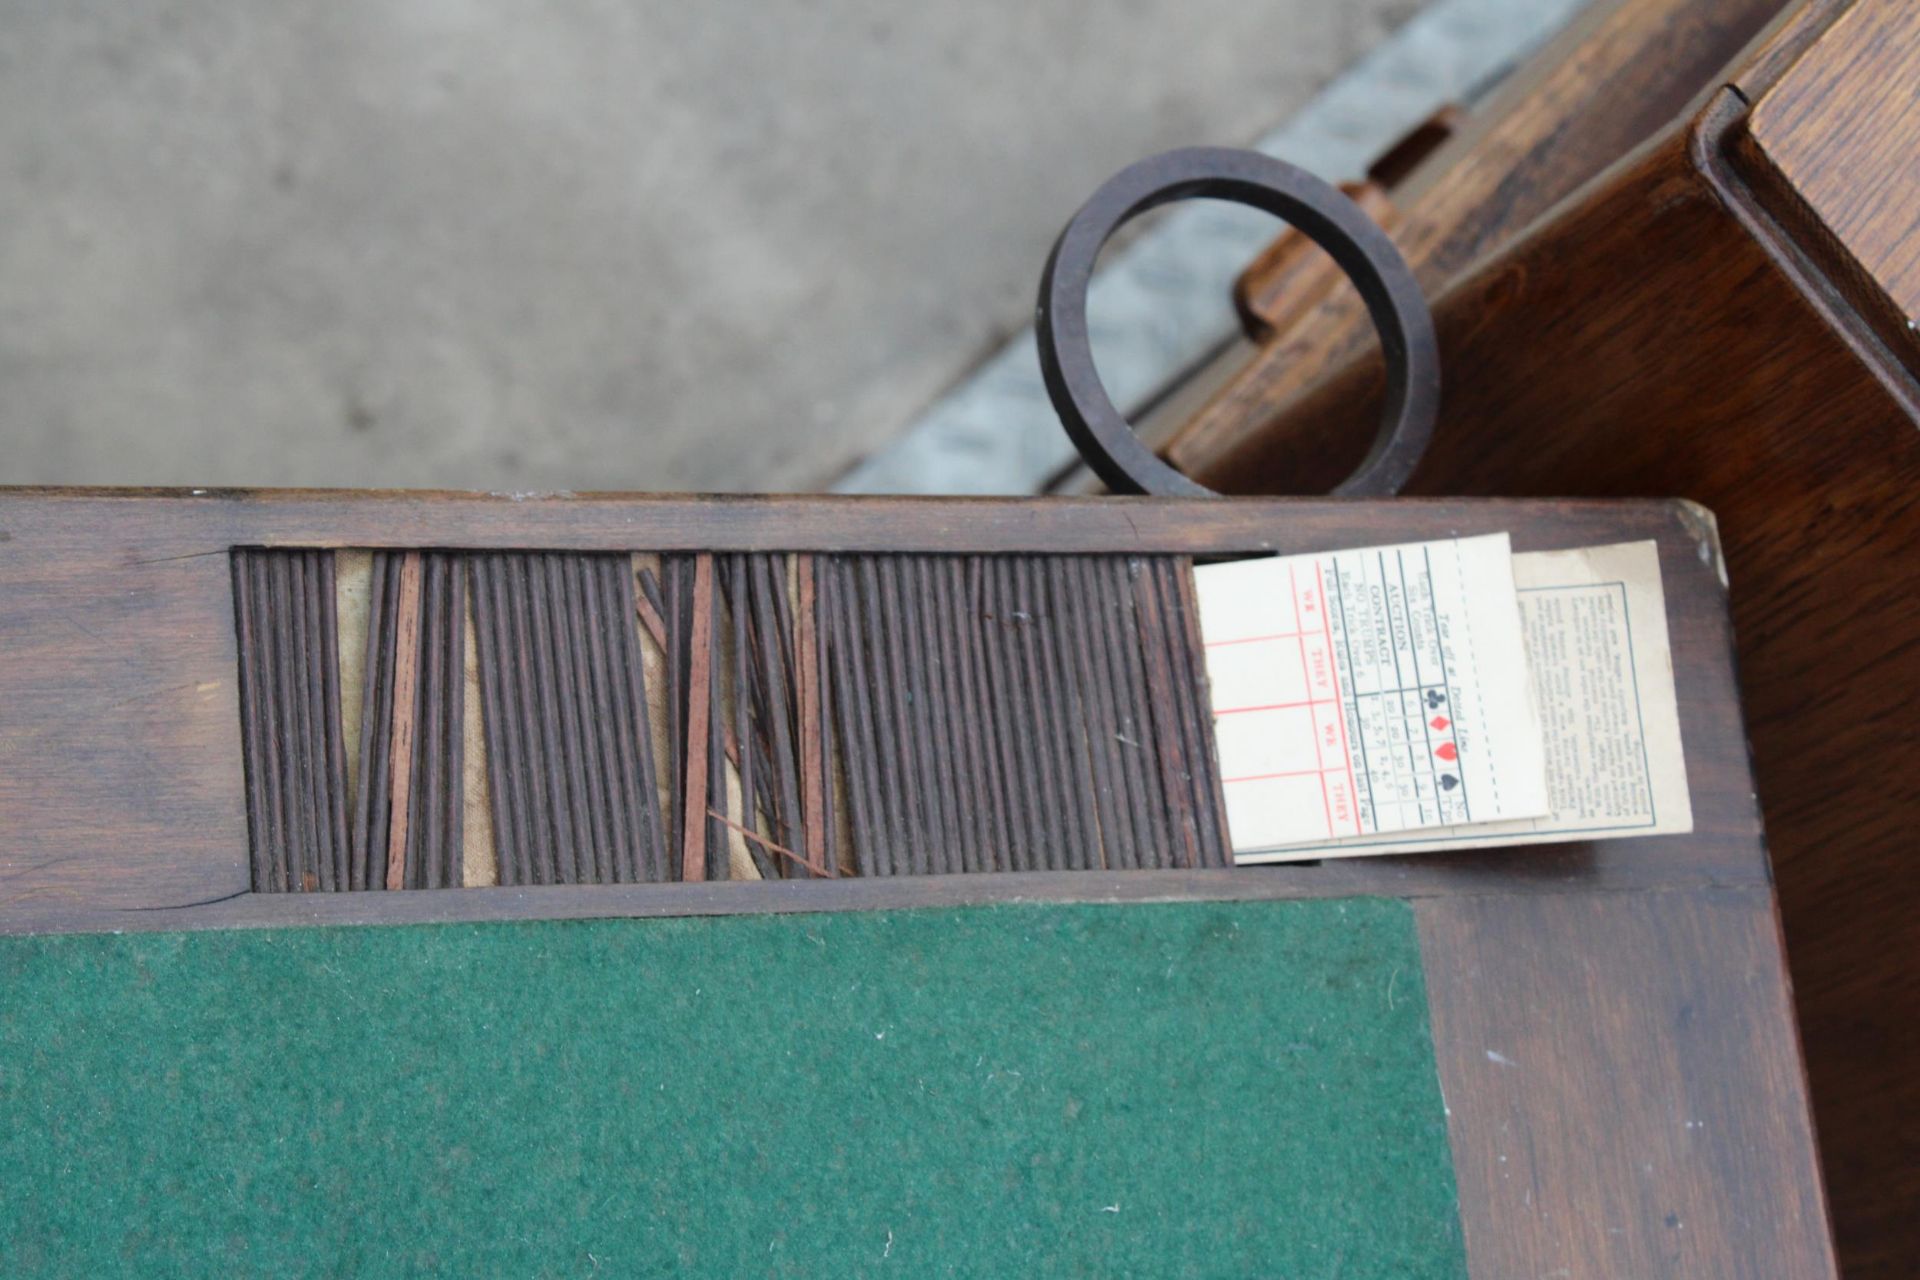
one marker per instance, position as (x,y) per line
(1623,70)
(1835,141)
(1621,1099)
(1647,969)
(1680,328)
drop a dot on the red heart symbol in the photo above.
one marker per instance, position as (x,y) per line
(1439,723)
(1446,751)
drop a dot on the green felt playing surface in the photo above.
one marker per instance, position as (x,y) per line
(1174,1090)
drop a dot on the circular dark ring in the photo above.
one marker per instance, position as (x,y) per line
(1316,208)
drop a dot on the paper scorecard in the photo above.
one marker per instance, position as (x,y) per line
(1564,719)
(1358,693)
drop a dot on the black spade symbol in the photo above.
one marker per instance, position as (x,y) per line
(1448,782)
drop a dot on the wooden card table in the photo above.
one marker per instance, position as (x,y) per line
(252,910)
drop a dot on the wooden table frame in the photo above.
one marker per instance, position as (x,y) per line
(1612,1019)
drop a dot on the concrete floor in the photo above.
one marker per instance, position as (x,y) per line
(724,245)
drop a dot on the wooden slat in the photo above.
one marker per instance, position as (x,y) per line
(155,527)
(813,729)
(632,716)
(294,753)
(400,752)
(367,867)
(263,827)
(571,769)
(693,851)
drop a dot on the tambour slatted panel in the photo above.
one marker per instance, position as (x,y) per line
(409,798)
(728,715)
(570,747)
(287,633)
(372,811)
(1019,713)
(430,852)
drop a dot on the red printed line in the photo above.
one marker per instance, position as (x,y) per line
(1297,773)
(1333,673)
(1274,706)
(1306,671)
(1278,635)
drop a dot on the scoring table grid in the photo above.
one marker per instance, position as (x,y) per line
(1344,704)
